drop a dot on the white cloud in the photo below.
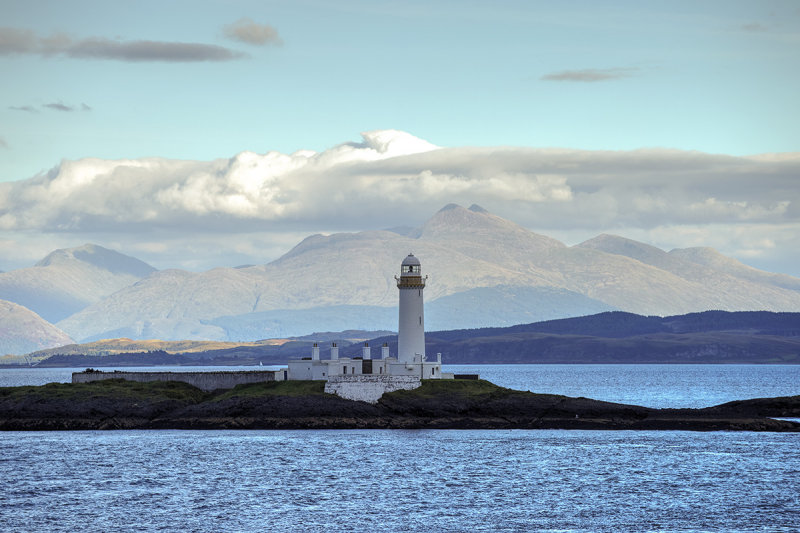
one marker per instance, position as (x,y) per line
(392,178)
(738,210)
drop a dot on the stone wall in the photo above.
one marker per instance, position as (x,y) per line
(206,381)
(369,388)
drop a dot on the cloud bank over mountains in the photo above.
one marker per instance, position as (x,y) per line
(745,206)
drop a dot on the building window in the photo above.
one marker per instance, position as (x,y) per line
(380,370)
(344,370)
(323,374)
(433,371)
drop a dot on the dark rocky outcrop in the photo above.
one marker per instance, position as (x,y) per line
(446,404)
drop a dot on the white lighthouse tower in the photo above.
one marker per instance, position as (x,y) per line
(411,325)
(367,379)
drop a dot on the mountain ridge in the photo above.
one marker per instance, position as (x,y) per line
(462,250)
(68,280)
(483,270)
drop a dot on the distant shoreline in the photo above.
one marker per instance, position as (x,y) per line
(105,363)
(709,337)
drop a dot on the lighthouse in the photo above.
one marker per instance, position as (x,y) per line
(411,324)
(367,379)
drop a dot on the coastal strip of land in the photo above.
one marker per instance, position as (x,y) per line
(437,404)
(708,337)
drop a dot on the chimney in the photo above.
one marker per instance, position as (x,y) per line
(315,352)
(334,351)
(439,357)
(365,351)
(385,350)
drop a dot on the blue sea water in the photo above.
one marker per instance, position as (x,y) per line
(425,480)
(338,481)
(659,386)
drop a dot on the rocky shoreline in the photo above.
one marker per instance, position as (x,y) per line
(438,404)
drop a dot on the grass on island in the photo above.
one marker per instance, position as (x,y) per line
(176,390)
(110,388)
(274,388)
(432,388)
(159,390)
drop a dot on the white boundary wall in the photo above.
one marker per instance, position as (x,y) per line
(369,387)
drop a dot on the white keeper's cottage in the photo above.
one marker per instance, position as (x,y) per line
(365,378)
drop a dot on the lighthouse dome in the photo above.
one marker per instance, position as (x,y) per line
(410,260)
(410,266)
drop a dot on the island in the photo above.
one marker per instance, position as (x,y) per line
(436,404)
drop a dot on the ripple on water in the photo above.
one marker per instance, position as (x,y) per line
(399,480)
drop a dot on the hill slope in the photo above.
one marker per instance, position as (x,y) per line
(707,337)
(23,331)
(68,280)
(463,251)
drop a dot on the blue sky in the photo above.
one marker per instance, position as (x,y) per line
(719,77)
(206,80)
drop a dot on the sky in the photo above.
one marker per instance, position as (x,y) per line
(203,134)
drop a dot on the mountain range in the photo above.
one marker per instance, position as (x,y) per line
(67,281)
(483,271)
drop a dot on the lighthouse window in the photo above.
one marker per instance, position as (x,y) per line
(420,321)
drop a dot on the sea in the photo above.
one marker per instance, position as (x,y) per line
(424,480)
